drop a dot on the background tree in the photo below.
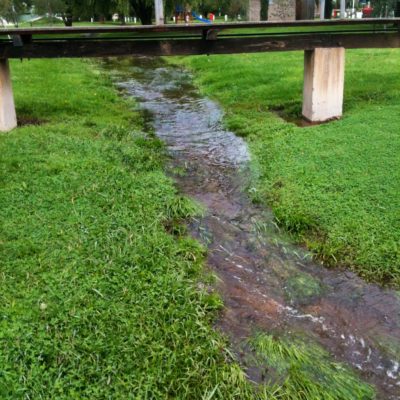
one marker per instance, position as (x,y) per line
(237,7)
(50,7)
(71,10)
(383,8)
(123,8)
(230,7)
(10,10)
(143,9)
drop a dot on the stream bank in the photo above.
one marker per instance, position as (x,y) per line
(267,284)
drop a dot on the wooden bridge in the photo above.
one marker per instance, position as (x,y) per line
(324,44)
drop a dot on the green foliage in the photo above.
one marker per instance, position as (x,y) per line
(10,10)
(50,7)
(301,287)
(104,9)
(304,371)
(97,299)
(333,186)
(383,8)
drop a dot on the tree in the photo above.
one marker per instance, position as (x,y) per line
(383,8)
(143,9)
(50,7)
(10,10)
(123,8)
(74,9)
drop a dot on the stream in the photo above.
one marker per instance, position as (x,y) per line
(267,283)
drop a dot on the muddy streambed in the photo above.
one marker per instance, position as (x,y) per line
(267,284)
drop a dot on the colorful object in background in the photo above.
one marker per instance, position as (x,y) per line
(200,18)
(367,11)
(182,14)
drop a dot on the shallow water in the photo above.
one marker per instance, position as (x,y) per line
(266,283)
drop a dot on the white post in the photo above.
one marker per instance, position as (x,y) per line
(342,8)
(8,117)
(159,8)
(322,9)
(323,83)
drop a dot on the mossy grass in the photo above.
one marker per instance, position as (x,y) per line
(334,187)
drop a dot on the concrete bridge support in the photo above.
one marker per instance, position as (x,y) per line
(323,84)
(254,10)
(8,118)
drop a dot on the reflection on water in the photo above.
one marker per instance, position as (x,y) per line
(266,283)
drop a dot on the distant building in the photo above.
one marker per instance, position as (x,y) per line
(282,10)
(278,10)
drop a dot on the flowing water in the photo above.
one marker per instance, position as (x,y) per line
(267,284)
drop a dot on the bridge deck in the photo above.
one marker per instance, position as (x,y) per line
(198,38)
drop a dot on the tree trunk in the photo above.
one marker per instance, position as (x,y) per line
(67,20)
(94,9)
(67,16)
(143,10)
(328,9)
(305,9)
(397,9)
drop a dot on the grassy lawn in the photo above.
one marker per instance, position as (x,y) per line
(335,187)
(97,300)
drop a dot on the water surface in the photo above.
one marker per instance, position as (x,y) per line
(266,283)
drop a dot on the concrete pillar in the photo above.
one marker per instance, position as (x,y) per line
(254,10)
(342,8)
(282,10)
(323,84)
(322,9)
(159,11)
(8,117)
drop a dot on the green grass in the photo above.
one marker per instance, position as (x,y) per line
(97,300)
(334,187)
(303,371)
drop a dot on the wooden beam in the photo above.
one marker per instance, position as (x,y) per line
(196,27)
(8,118)
(172,47)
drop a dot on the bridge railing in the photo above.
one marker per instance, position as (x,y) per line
(324,43)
